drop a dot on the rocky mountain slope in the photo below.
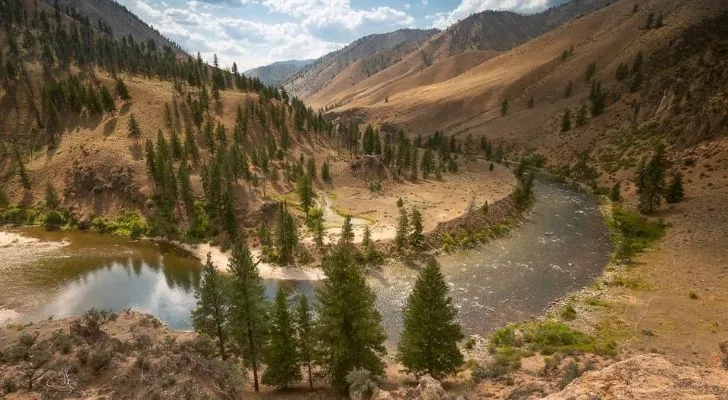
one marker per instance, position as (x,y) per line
(277,73)
(445,54)
(318,74)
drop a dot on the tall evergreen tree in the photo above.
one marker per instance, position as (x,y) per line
(107,101)
(325,173)
(209,316)
(347,233)
(248,308)
(651,182)
(286,235)
(428,344)
(122,91)
(133,129)
(350,333)
(416,238)
(315,222)
(305,337)
(51,198)
(400,240)
(675,192)
(304,187)
(566,121)
(281,354)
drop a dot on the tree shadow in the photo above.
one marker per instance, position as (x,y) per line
(136,150)
(110,126)
(124,109)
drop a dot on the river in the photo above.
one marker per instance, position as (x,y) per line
(560,247)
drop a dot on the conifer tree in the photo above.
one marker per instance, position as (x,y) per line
(248,308)
(133,129)
(530,102)
(651,182)
(400,240)
(286,236)
(590,71)
(311,169)
(51,198)
(597,99)
(315,222)
(347,233)
(349,328)
(304,336)
(416,238)
(566,121)
(582,116)
(281,354)
(504,107)
(210,313)
(325,173)
(569,89)
(305,191)
(22,172)
(615,194)
(428,344)
(371,255)
(122,91)
(107,101)
(675,192)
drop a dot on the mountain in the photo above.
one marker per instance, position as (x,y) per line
(277,73)
(318,74)
(117,17)
(449,53)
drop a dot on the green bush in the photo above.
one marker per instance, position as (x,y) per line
(18,216)
(126,224)
(549,337)
(99,359)
(568,313)
(53,220)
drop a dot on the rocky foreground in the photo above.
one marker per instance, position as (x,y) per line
(131,355)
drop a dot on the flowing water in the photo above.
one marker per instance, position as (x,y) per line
(561,246)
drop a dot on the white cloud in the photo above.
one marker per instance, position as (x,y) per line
(248,43)
(442,20)
(320,13)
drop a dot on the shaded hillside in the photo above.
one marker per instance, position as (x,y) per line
(317,75)
(118,18)
(277,73)
(449,53)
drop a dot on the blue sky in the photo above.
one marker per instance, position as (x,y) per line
(258,32)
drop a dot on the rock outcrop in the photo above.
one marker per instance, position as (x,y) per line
(647,377)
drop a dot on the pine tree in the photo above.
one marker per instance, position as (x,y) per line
(569,89)
(122,91)
(416,238)
(350,333)
(305,191)
(347,233)
(530,102)
(504,107)
(428,344)
(590,71)
(651,182)
(286,237)
(248,308)
(566,121)
(51,198)
(597,99)
(325,173)
(582,116)
(304,336)
(371,255)
(400,240)
(315,222)
(22,172)
(615,194)
(107,101)
(281,354)
(133,129)
(675,192)
(209,316)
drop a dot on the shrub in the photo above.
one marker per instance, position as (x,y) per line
(89,326)
(568,313)
(571,372)
(230,377)
(360,382)
(9,386)
(99,359)
(62,342)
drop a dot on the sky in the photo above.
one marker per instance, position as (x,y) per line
(259,32)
